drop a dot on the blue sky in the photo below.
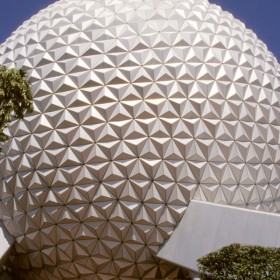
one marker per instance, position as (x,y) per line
(260,15)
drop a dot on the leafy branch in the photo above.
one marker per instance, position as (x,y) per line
(237,262)
(15,97)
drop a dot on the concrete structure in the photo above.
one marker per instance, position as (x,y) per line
(6,241)
(208,227)
(140,107)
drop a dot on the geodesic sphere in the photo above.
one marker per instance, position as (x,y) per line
(140,106)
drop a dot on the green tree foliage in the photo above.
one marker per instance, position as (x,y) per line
(15,97)
(241,263)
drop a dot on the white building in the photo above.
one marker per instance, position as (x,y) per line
(140,108)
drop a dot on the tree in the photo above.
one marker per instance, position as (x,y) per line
(237,262)
(15,97)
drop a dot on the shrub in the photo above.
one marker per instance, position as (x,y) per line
(15,97)
(237,262)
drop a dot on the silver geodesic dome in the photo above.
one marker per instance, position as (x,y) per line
(140,106)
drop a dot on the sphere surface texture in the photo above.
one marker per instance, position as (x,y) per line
(140,106)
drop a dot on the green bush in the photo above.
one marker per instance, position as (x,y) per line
(237,262)
(15,97)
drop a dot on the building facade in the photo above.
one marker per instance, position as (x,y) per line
(140,107)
